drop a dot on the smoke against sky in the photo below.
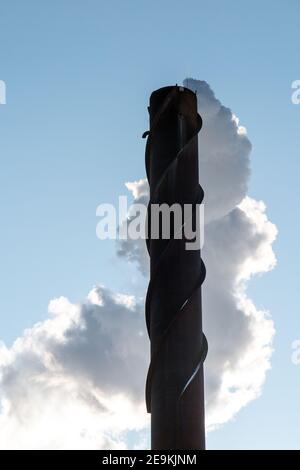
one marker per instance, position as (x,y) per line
(238,244)
(77,379)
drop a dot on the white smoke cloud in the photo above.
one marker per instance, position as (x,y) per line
(77,379)
(238,245)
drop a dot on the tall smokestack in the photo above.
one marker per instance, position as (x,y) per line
(175,388)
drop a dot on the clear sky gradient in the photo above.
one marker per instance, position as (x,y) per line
(78,77)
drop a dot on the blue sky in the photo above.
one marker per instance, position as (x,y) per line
(78,78)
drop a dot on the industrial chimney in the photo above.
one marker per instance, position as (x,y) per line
(175,387)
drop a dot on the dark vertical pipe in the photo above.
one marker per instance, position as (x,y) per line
(174,389)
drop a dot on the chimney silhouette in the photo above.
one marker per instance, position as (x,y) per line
(175,385)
